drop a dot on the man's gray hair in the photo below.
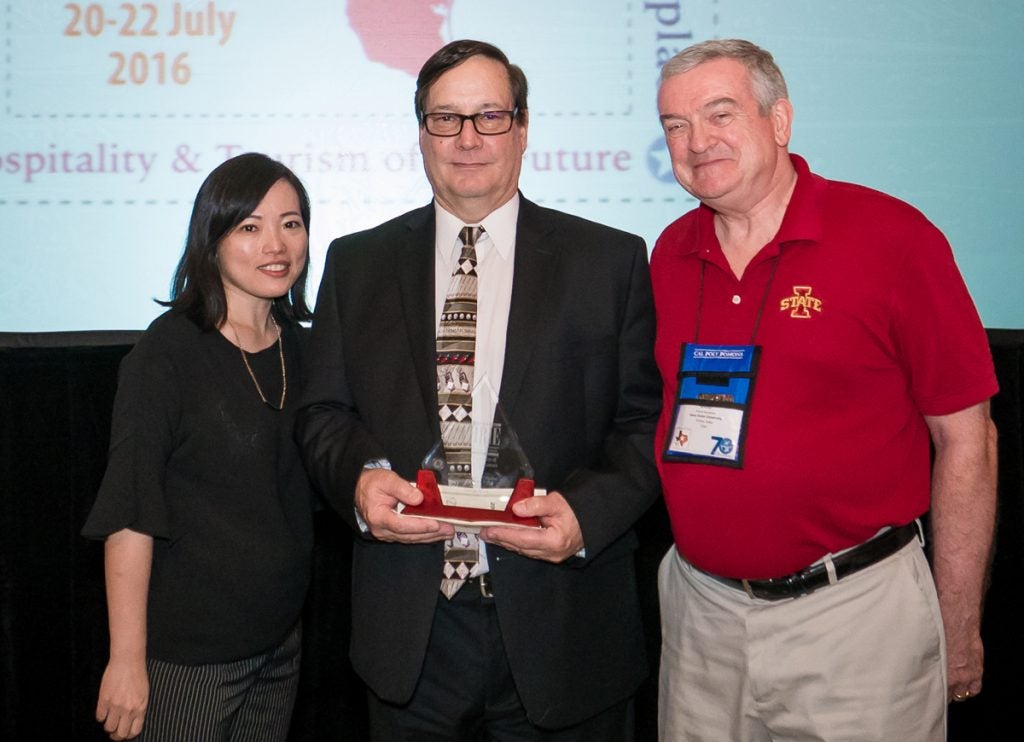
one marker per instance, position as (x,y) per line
(765,76)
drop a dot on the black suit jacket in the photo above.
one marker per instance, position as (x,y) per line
(581,389)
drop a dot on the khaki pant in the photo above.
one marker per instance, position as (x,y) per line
(863,659)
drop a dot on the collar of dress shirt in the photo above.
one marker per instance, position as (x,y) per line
(500,226)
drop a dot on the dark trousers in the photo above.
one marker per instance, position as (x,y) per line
(249,700)
(466,692)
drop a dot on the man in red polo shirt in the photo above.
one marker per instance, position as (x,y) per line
(814,338)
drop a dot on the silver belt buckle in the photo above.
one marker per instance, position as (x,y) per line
(485,585)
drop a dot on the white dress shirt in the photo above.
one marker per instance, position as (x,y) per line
(495,261)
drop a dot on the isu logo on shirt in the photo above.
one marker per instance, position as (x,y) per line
(801,303)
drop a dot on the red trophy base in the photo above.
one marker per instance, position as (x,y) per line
(432,507)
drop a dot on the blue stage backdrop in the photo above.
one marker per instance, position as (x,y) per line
(113,112)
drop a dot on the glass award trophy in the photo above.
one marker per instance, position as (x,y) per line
(485,496)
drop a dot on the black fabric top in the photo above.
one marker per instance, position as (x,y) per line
(199,462)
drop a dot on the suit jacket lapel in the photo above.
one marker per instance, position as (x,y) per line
(535,260)
(415,268)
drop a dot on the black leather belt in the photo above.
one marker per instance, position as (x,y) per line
(810,579)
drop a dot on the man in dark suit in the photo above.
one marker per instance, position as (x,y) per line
(543,641)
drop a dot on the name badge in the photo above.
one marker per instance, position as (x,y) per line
(709,418)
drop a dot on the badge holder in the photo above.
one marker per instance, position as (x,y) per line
(712,406)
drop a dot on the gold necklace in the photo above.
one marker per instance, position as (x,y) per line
(280,352)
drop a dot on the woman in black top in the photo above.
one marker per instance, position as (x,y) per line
(205,507)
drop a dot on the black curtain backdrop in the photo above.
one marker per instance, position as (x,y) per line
(56,393)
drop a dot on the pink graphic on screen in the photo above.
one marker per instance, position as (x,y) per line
(405,35)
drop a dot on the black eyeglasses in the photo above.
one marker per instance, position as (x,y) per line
(487,123)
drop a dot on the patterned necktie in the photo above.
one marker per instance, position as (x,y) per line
(456,351)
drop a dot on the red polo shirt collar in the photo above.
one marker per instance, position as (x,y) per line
(803,221)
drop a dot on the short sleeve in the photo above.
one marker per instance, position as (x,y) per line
(146,410)
(942,342)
